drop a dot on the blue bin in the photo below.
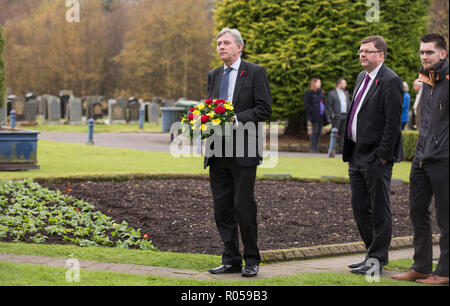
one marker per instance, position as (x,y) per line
(170,115)
(18,149)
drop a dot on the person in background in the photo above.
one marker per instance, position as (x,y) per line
(314,100)
(338,103)
(405,106)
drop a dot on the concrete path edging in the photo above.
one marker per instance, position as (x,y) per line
(332,250)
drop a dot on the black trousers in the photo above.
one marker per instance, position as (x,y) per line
(428,180)
(316,132)
(370,188)
(232,187)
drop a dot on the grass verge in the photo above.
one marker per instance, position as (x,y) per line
(57,159)
(32,275)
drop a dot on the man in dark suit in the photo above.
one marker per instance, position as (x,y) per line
(338,104)
(232,178)
(372,144)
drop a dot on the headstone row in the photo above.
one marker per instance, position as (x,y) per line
(72,109)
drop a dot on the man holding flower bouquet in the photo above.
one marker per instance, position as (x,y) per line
(232,178)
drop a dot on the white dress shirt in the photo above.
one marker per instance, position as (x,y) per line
(232,82)
(232,78)
(341,95)
(372,76)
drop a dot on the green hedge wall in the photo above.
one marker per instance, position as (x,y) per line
(410,139)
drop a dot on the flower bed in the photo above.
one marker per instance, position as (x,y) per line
(32,213)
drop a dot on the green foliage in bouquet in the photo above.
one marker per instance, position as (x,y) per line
(202,118)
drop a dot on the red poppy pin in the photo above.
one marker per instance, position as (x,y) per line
(377,81)
(243,72)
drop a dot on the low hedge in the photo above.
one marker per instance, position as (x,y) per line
(410,139)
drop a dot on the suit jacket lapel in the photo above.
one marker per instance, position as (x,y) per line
(217,80)
(239,81)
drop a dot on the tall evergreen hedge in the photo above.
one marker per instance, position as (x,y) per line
(2,69)
(298,40)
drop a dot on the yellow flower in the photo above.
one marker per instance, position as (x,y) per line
(196,112)
(200,106)
(211,114)
(204,127)
(229,107)
(216,121)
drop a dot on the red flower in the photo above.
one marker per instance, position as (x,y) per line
(219,110)
(204,118)
(146,236)
(76,209)
(208,102)
(219,101)
(68,189)
(192,109)
(190,117)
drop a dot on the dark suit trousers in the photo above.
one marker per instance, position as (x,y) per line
(235,207)
(428,180)
(370,187)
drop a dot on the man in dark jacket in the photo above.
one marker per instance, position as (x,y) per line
(372,144)
(429,171)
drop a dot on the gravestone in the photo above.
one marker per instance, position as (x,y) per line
(42,104)
(3,115)
(31,111)
(94,107)
(116,112)
(74,111)
(97,110)
(64,96)
(153,110)
(18,104)
(133,112)
(123,102)
(53,114)
(105,106)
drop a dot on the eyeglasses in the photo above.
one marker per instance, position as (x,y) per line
(429,52)
(368,51)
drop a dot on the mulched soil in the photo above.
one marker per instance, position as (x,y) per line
(178,214)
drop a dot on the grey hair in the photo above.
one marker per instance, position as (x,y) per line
(236,35)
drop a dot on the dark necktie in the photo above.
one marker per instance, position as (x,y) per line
(355,107)
(223,89)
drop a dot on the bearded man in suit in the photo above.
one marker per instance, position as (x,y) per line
(232,178)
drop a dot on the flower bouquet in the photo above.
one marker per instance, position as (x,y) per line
(204,117)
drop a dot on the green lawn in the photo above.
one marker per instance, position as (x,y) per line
(98,128)
(57,159)
(13,274)
(22,274)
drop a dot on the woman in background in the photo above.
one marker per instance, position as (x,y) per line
(315,112)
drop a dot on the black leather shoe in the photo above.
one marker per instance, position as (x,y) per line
(362,263)
(367,268)
(250,270)
(357,264)
(226,269)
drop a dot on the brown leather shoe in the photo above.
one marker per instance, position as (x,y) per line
(411,276)
(434,280)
